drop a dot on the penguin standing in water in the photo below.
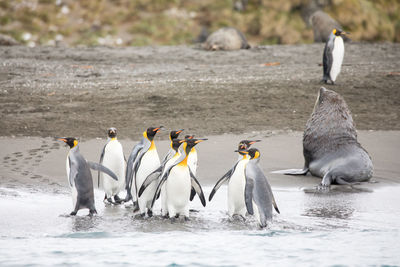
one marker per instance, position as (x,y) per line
(143,161)
(333,56)
(258,193)
(168,160)
(80,178)
(179,180)
(113,158)
(175,144)
(237,181)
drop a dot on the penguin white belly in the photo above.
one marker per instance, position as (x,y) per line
(237,183)
(192,161)
(164,206)
(74,192)
(114,160)
(150,162)
(67,168)
(178,188)
(337,57)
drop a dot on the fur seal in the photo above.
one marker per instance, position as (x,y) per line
(323,25)
(330,147)
(226,38)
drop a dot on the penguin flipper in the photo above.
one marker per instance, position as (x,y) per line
(101,162)
(327,61)
(197,187)
(248,195)
(222,180)
(158,190)
(129,165)
(149,179)
(98,167)
(303,171)
(192,194)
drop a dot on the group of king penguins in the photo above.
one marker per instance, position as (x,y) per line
(145,178)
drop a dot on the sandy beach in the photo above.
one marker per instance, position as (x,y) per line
(37,163)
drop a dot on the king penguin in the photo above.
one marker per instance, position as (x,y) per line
(168,160)
(179,180)
(237,181)
(333,56)
(80,178)
(258,193)
(113,158)
(143,161)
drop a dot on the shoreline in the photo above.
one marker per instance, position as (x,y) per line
(38,164)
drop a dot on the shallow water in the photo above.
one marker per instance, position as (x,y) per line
(339,228)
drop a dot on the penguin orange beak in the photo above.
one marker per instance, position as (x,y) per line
(241,151)
(200,140)
(181,130)
(190,137)
(62,139)
(158,129)
(255,141)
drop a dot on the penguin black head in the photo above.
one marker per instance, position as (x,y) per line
(245,144)
(338,32)
(190,143)
(112,132)
(70,141)
(151,132)
(176,143)
(174,134)
(254,153)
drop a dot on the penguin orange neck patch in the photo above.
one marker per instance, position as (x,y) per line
(152,146)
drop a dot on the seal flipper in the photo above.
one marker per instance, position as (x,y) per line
(303,171)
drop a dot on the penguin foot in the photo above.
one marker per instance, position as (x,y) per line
(92,212)
(143,214)
(73,213)
(135,206)
(150,213)
(177,216)
(117,199)
(193,210)
(128,197)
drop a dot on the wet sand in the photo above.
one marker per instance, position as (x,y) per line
(47,91)
(39,163)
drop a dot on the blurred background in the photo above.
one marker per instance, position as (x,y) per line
(168,22)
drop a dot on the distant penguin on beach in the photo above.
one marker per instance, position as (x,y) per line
(226,38)
(333,56)
(323,25)
(113,158)
(80,178)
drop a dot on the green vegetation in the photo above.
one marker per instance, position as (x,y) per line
(163,22)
